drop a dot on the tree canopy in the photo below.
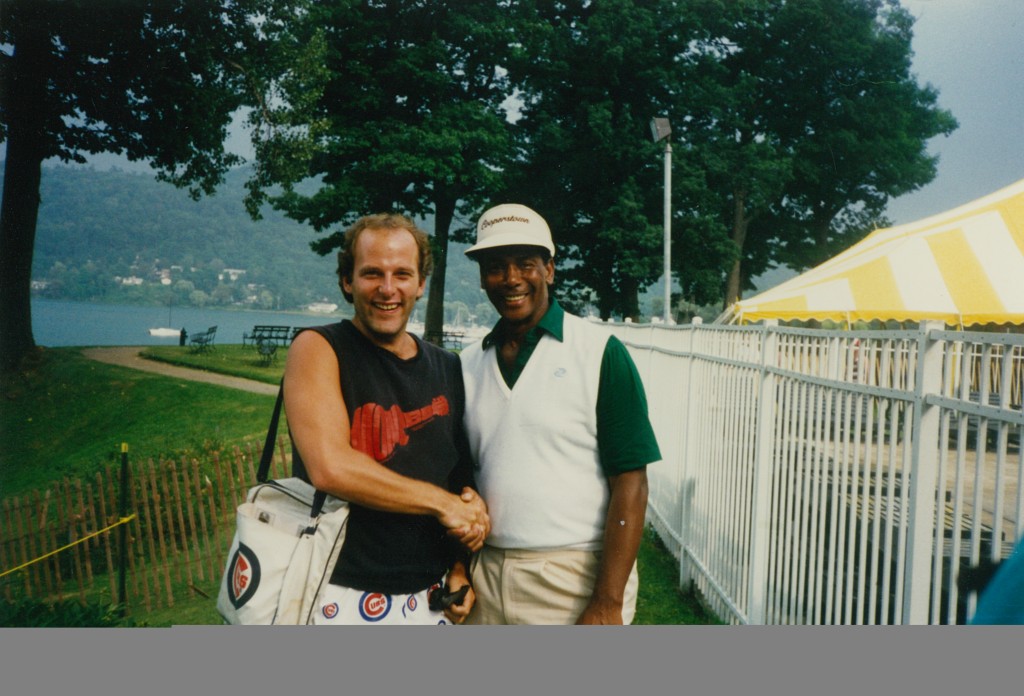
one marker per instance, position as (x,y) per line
(154,80)
(809,119)
(793,123)
(591,77)
(385,106)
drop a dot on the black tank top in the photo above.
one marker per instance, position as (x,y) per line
(406,414)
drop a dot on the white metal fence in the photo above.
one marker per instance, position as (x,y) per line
(833,477)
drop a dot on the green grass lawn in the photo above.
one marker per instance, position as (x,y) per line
(69,415)
(660,601)
(230,359)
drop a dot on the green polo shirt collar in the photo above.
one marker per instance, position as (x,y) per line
(551,323)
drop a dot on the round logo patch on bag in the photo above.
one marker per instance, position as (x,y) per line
(243,576)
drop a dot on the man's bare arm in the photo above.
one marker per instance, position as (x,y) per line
(319,424)
(624,525)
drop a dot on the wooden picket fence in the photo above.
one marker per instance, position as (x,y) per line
(180,522)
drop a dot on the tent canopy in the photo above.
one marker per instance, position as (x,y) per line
(964,267)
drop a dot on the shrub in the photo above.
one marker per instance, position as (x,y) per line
(66,614)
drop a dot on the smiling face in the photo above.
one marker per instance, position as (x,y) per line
(384,285)
(516,280)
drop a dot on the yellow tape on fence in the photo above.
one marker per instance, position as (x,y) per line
(123,520)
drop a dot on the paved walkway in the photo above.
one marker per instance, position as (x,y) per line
(128,356)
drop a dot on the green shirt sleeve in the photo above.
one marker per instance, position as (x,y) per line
(625,437)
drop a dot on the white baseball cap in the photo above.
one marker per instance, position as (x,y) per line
(511,224)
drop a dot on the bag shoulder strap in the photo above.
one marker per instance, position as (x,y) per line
(262,472)
(268,445)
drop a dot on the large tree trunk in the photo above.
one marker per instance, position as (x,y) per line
(630,299)
(740,224)
(434,326)
(605,305)
(24,96)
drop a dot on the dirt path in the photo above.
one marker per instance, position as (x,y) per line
(128,356)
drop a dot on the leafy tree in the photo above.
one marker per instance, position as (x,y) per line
(864,136)
(222,295)
(592,76)
(730,136)
(198,298)
(702,250)
(183,290)
(392,105)
(151,79)
(813,121)
(266,299)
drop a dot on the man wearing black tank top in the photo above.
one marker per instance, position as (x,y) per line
(375,415)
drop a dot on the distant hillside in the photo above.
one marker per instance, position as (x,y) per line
(116,236)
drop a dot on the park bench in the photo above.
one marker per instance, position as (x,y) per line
(203,340)
(279,335)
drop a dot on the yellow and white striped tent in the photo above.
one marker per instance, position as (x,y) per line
(964,267)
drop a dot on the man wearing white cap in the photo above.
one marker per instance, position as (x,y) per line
(557,422)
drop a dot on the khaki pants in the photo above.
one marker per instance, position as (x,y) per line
(538,587)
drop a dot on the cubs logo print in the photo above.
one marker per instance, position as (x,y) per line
(330,610)
(374,606)
(244,576)
(410,605)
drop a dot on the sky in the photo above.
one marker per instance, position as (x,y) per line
(972,52)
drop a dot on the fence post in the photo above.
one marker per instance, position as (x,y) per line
(764,446)
(686,487)
(924,464)
(122,534)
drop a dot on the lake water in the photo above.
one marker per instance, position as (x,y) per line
(59,323)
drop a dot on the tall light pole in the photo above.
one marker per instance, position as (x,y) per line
(660,130)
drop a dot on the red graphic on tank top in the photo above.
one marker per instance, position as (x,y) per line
(378,431)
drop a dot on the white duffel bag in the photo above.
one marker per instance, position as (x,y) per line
(287,539)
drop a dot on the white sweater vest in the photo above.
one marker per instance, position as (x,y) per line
(536,444)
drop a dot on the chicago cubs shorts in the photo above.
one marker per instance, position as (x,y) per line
(345,606)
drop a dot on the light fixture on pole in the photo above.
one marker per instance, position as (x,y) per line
(660,130)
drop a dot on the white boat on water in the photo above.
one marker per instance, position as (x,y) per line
(163,331)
